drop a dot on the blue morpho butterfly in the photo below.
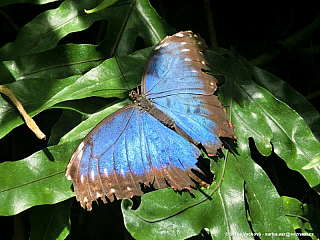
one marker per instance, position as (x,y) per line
(156,139)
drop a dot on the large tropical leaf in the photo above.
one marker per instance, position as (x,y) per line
(126,21)
(106,80)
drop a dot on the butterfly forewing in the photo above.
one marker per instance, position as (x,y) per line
(175,67)
(184,92)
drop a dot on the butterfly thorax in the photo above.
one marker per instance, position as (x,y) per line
(146,105)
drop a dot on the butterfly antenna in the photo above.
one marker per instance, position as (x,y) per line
(122,78)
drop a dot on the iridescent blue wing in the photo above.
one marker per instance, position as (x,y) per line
(128,148)
(175,83)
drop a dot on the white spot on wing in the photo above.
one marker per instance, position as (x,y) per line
(183,43)
(122,172)
(80,151)
(161,45)
(112,190)
(85,199)
(203,62)
(92,174)
(188,59)
(81,145)
(179,35)
(165,44)
(105,172)
(128,188)
(185,50)
(98,195)
(82,178)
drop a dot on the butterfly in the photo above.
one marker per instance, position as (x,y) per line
(156,140)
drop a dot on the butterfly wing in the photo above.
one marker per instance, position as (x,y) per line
(176,84)
(127,148)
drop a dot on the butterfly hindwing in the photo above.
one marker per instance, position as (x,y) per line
(126,149)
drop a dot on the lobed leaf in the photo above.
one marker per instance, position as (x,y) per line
(39,179)
(112,78)
(60,62)
(259,115)
(126,21)
(165,214)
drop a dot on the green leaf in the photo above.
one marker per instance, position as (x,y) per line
(295,211)
(302,216)
(257,114)
(267,214)
(314,163)
(165,214)
(126,21)
(112,78)
(50,221)
(44,31)
(60,62)
(101,6)
(284,92)
(68,120)
(38,179)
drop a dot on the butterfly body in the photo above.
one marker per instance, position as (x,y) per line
(156,140)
